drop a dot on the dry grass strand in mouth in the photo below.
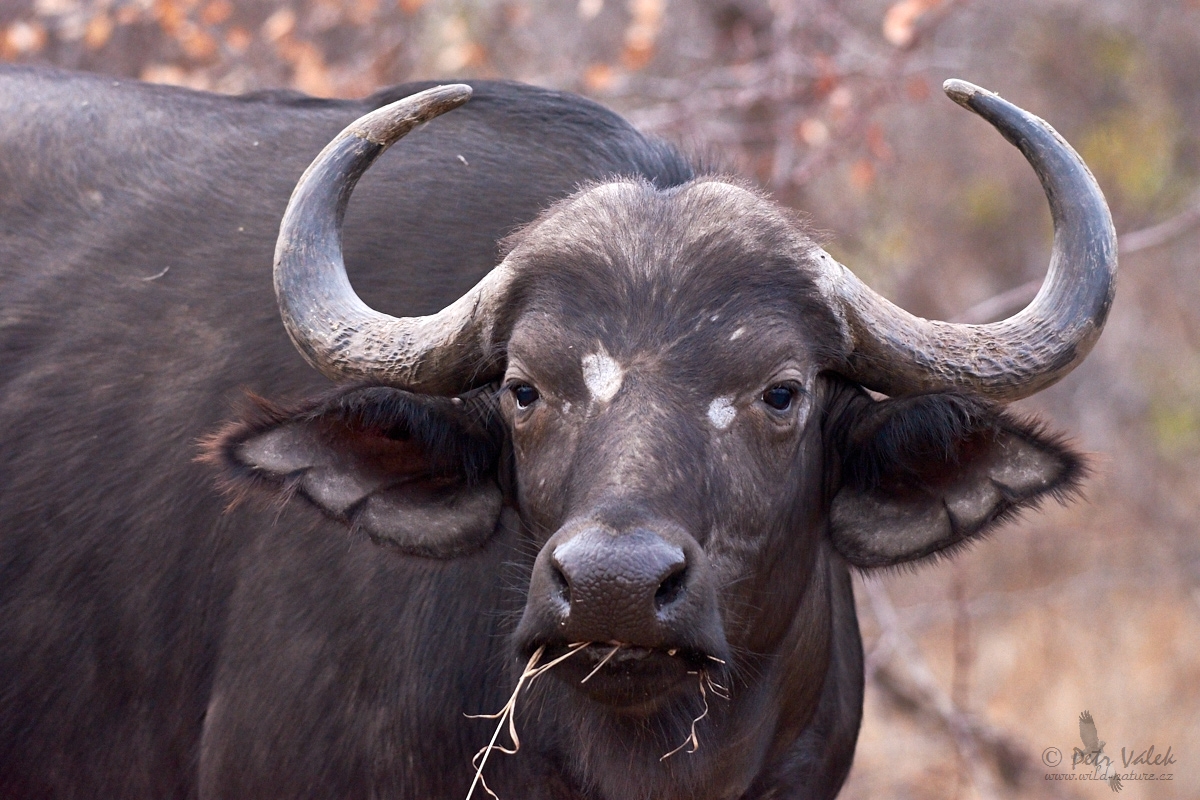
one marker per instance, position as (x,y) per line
(692,739)
(714,687)
(603,661)
(532,671)
(508,714)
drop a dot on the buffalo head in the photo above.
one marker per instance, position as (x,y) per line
(663,392)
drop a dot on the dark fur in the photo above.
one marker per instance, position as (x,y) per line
(154,646)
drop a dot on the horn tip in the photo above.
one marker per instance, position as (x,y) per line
(387,124)
(451,95)
(962,92)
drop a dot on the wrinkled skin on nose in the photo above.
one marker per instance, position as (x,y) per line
(647,588)
(622,587)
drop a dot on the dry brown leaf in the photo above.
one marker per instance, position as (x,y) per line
(825,84)
(637,56)
(518,14)
(455,57)
(358,84)
(645,24)
(309,75)
(127,15)
(99,30)
(22,38)
(170,16)
(813,132)
(599,77)
(238,40)
(589,9)
(862,175)
(647,12)
(198,44)
(900,21)
(841,100)
(458,50)
(877,143)
(361,12)
(917,88)
(163,73)
(216,12)
(279,24)
(175,76)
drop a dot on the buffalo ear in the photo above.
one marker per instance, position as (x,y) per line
(416,472)
(922,475)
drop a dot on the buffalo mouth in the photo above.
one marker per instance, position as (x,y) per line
(629,677)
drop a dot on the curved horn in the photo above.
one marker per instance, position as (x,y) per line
(332,328)
(894,352)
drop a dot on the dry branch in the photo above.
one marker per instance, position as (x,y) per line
(759,106)
(896,668)
(1013,300)
(1163,232)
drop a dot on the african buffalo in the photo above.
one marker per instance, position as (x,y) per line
(641,446)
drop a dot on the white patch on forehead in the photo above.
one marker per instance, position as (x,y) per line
(721,412)
(737,334)
(603,375)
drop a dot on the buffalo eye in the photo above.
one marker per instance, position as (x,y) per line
(525,395)
(779,397)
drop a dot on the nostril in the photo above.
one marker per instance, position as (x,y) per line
(559,584)
(670,589)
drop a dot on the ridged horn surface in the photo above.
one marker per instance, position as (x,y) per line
(894,352)
(332,328)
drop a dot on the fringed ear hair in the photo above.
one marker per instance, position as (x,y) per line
(415,472)
(925,475)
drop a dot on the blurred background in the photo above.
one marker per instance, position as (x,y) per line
(979,667)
